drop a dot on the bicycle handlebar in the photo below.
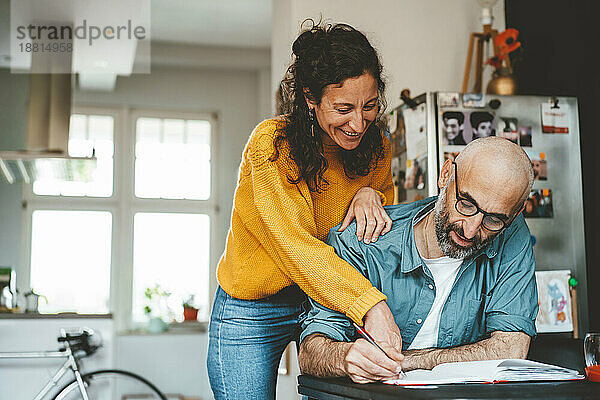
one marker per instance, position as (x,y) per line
(83,340)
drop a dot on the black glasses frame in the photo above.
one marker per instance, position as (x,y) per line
(459,198)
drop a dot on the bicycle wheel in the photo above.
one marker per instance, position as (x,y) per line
(111,384)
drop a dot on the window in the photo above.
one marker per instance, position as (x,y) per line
(171,239)
(144,218)
(171,250)
(172,159)
(70,260)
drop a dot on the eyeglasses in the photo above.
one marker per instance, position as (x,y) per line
(465,207)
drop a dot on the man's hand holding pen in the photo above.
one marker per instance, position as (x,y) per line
(377,355)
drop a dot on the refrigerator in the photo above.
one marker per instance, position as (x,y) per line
(428,129)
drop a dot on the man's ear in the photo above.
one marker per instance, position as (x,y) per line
(445,173)
(310,101)
(520,209)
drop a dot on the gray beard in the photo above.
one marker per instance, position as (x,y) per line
(443,227)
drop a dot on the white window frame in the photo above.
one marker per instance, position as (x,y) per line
(123,205)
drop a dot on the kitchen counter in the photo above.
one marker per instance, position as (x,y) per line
(9,315)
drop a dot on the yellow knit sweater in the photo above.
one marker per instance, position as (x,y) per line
(278,228)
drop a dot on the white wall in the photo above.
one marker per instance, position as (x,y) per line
(176,363)
(23,379)
(422,44)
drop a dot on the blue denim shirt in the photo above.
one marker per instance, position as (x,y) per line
(495,290)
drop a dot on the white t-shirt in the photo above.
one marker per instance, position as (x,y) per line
(444,271)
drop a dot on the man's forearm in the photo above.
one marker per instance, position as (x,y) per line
(499,345)
(322,356)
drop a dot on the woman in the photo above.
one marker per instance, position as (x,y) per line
(325,161)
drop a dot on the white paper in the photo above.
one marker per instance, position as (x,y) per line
(487,371)
(555,120)
(555,314)
(415,122)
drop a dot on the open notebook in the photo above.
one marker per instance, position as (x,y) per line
(489,371)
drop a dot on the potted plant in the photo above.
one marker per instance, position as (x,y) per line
(156,303)
(190,312)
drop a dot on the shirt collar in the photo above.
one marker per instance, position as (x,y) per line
(411,259)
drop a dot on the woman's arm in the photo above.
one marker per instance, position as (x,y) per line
(289,237)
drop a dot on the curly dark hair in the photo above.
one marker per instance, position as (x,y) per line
(326,55)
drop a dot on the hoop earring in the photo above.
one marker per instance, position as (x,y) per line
(312,118)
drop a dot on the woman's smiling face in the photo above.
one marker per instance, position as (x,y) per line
(347,109)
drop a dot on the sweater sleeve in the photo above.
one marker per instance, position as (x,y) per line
(289,237)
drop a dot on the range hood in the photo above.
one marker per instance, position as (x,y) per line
(46,154)
(52,76)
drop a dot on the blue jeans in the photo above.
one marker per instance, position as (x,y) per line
(247,339)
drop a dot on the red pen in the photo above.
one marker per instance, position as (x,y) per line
(362,332)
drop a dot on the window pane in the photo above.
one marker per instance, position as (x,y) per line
(198,132)
(172,158)
(88,134)
(173,130)
(70,260)
(171,250)
(148,137)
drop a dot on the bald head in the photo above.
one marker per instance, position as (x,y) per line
(498,163)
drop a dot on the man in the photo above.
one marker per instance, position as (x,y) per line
(458,272)
(482,123)
(453,124)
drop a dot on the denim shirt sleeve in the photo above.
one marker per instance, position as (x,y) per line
(324,320)
(513,304)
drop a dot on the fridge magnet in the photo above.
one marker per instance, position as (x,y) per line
(482,124)
(454,123)
(538,204)
(555,117)
(415,173)
(473,100)
(525,136)
(539,164)
(507,128)
(555,314)
(448,99)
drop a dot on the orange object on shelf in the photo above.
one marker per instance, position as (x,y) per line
(190,314)
(593,373)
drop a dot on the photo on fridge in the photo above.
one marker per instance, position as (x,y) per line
(539,204)
(481,124)
(507,128)
(525,136)
(539,163)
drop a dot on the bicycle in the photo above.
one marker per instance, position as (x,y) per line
(104,384)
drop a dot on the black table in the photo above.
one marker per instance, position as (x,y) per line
(553,350)
(344,388)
